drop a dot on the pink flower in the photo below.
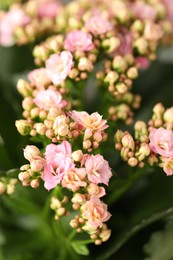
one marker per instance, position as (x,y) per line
(98,169)
(95,212)
(98,25)
(144,11)
(168,166)
(8,23)
(48,8)
(46,99)
(93,121)
(74,179)
(125,43)
(142,62)
(161,141)
(78,40)
(95,190)
(58,161)
(58,66)
(39,77)
(169,7)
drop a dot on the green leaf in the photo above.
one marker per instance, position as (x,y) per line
(80,248)
(160,246)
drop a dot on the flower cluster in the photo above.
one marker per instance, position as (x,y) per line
(83,174)
(153,144)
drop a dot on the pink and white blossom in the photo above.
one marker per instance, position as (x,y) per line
(125,43)
(39,77)
(93,121)
(46,99)
(144,11)
(74,179)
(48,8)
(95,212)
(78,40)
(12,19)
(98,25)
(58,66)
(161,141)
(97,169)
(142,62)
(58,162)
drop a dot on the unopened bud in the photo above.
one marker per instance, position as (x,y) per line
(119,64)
(23,126)
(132,161)
(128,141)
(35,183)
(77,155)
(132,73)
(168,115)
(111,77)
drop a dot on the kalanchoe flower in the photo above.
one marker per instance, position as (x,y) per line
(144,11)
(46,99)
(74,179)
(98,25)
(58,66)
(11,20)
(93,121)
(95,212)
(161,141)
(97,169)
(78,41)
(48,8)
(39,77)
(58,161)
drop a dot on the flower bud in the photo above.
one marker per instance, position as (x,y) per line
(31,152)
(119,64)
(132,73)
(111,77)
(168,115)
(77,155)
(23,126)
(132,161)
(2,187)
(85,64)
(128,141)
(23,87)
(105,235)
(35,183)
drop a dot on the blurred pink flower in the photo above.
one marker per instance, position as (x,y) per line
(58,161)
(142,62)
(48,8)
(93,121)
(161,141)
(169,7)
(46,99)
(39,77)
(97,169)
(74,179)
(12,19)
(78,40)
(58,66)
(125,43)
(95,212)
(143,11)
(98,25)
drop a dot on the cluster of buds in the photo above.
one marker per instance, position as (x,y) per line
(30,173)
(93,214)
(27,22)
(152,144)
(59,167)
(58,206)
(7,185)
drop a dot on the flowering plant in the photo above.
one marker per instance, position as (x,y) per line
(85,177)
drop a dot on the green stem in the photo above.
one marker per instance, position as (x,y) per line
(115,246)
